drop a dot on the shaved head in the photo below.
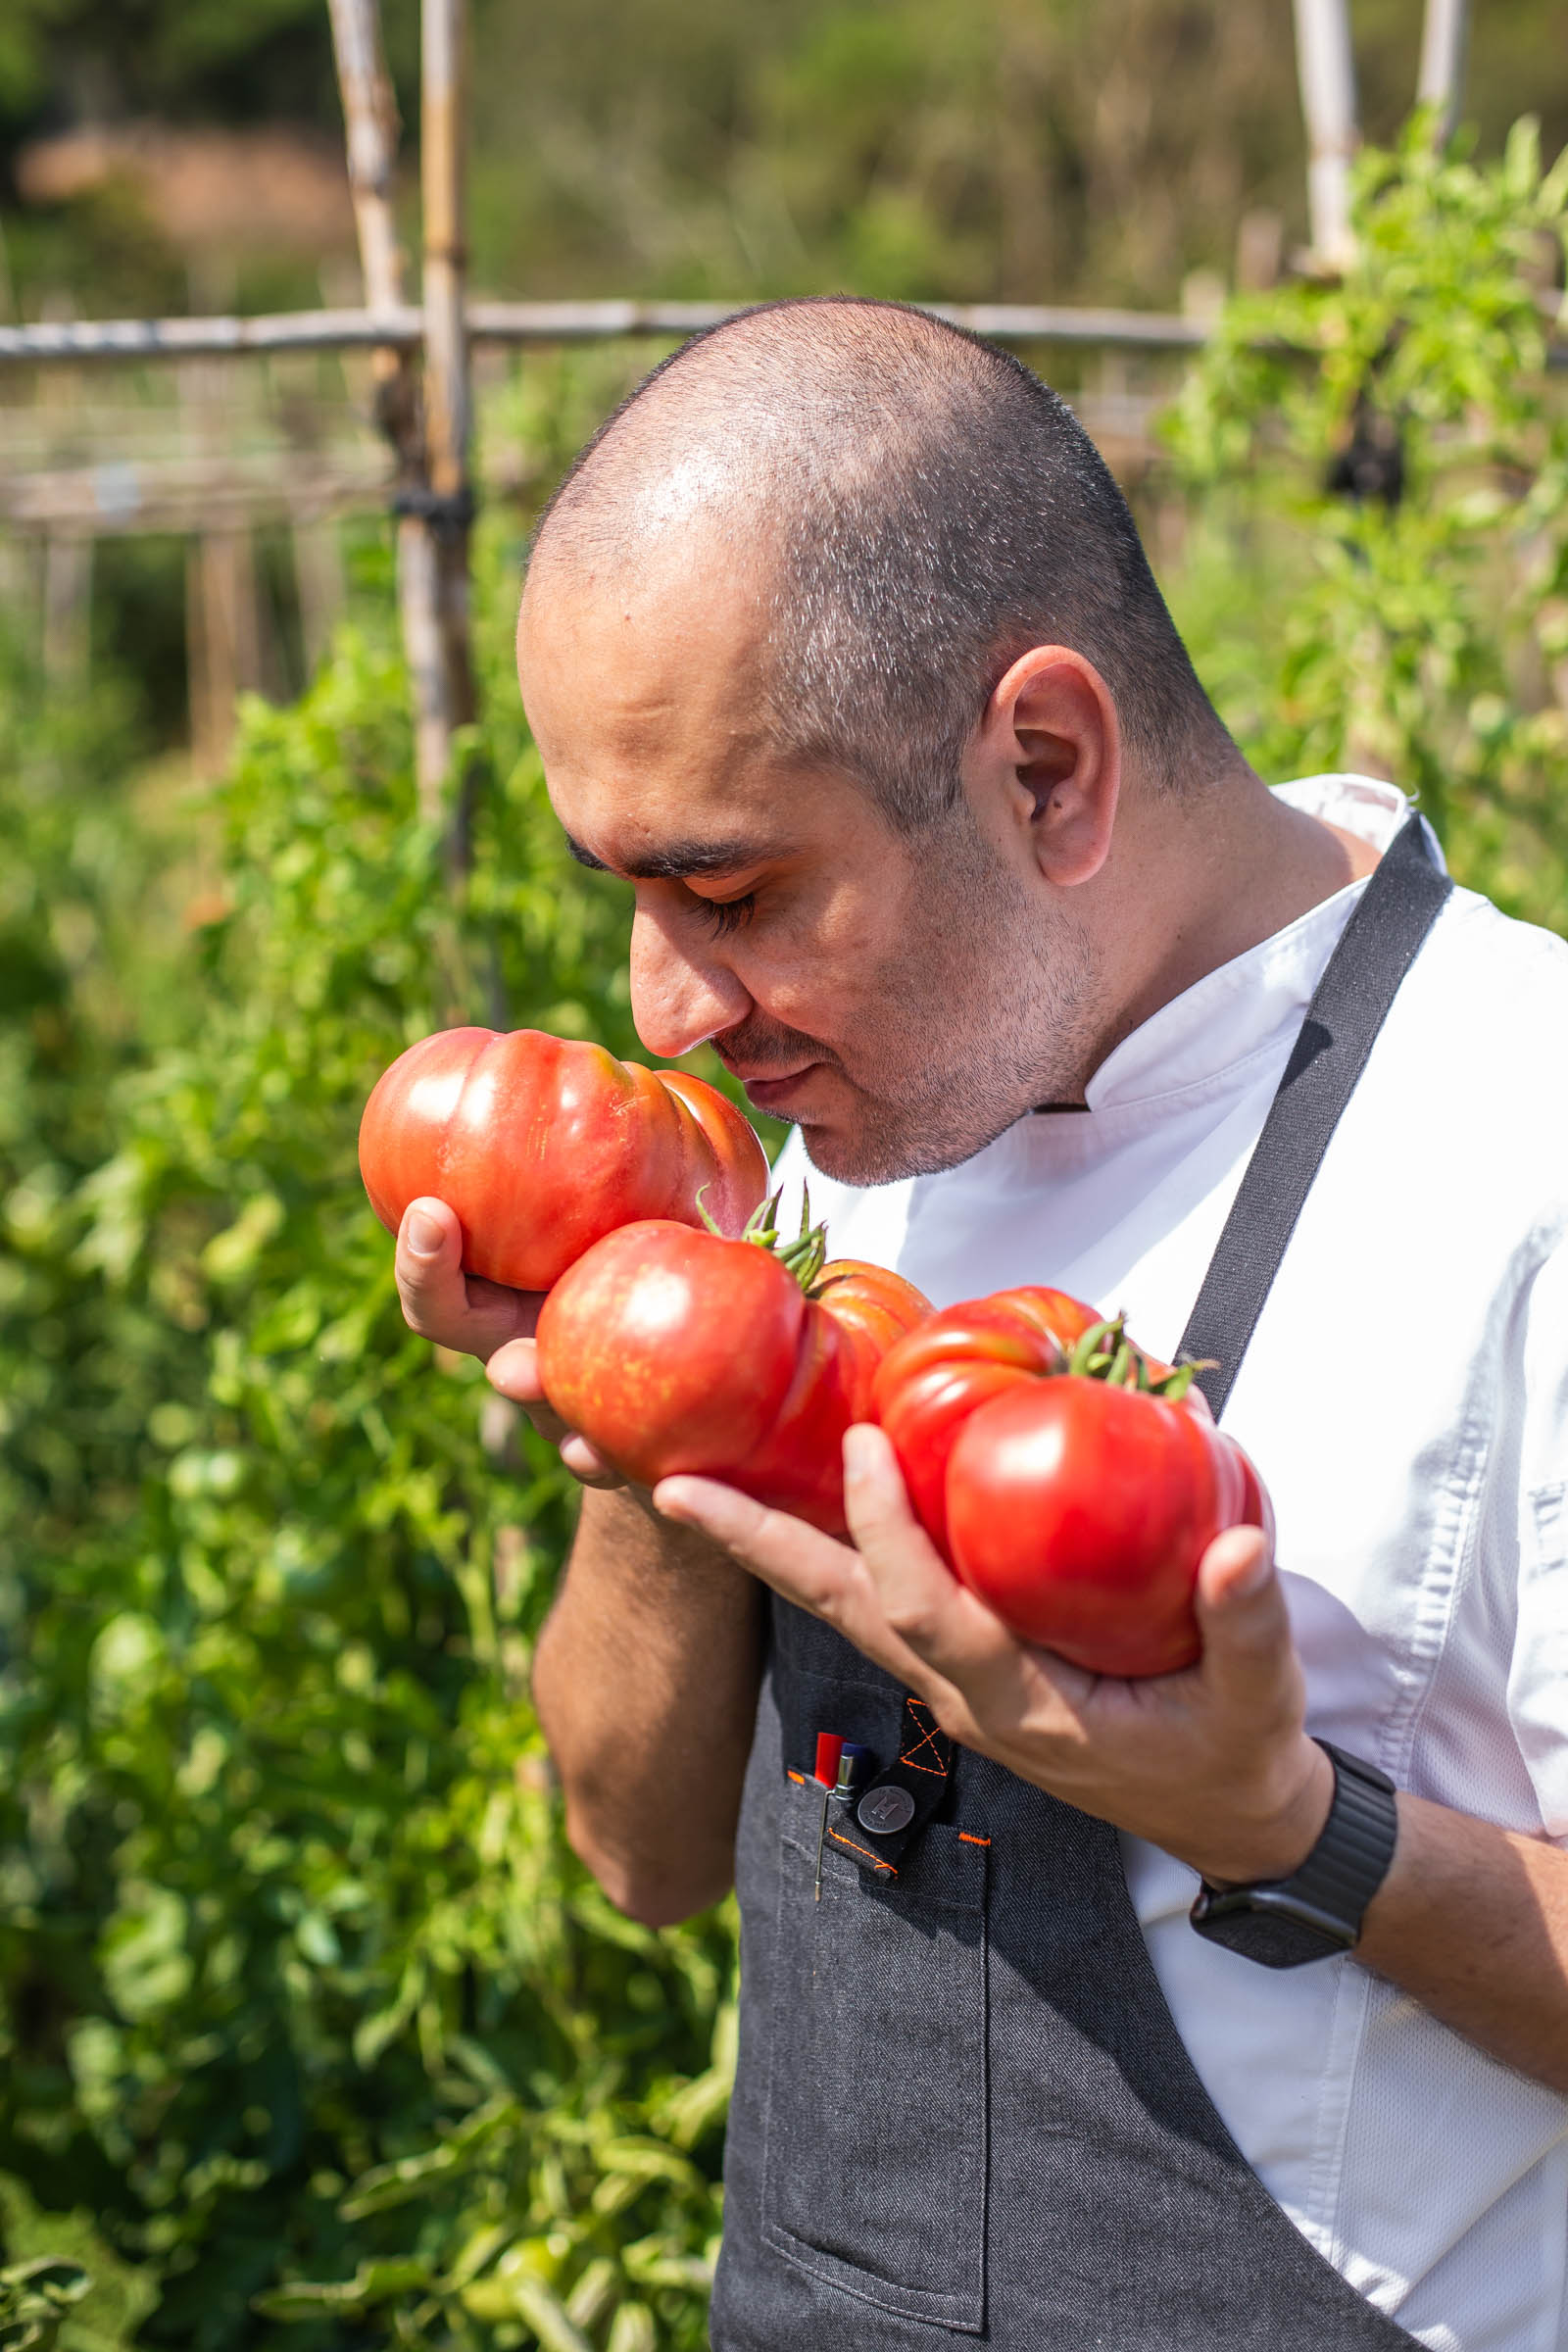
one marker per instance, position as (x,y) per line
(910,509)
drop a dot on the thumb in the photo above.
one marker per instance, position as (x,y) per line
(1241,1616)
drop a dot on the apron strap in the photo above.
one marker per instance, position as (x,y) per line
(1402,899)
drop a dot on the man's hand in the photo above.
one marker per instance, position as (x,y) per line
(647,1670)
(1214,1764)
(474,1317)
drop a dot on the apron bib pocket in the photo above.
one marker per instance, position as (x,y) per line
(874,2171)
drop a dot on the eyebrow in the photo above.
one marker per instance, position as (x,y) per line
(683,860)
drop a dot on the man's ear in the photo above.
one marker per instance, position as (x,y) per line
(1049,745)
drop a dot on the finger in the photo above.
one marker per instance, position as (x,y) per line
(876,1500)
(513,1370)
(816,1571)
(1249,1654)
(586,1463)
(430,1268)
(923,1601)
(441,1303)
(797,1560)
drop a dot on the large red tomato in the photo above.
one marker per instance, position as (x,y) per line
(1079,1511)
(931,1382)
(1077,1507)
(543,1145)
(674,1350)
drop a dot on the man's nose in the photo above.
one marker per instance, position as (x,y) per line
(679,997)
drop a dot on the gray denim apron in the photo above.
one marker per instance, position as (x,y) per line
(962,2106)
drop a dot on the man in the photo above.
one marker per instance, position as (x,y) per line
(839,644)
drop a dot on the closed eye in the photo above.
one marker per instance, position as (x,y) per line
(728,914)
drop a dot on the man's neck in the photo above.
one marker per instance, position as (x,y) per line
(1200,883)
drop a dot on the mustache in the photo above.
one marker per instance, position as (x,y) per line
(762,1046)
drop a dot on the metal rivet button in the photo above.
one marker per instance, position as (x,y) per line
(884,1810)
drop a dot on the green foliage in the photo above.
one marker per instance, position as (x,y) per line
(66,2285)
(300,1992)
(36,2299)
(1427,637)
(312,2033)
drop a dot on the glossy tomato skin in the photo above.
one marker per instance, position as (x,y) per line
(542,1145)
(674,1350)
(671,1349)
(929,1384)
(1079,1512)
(854,1314)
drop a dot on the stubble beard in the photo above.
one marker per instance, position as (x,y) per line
(988,1013)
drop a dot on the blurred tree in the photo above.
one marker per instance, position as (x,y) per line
(1026,149)
(226,61)
(1407,505)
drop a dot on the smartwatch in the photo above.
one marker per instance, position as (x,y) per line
(1318,1910)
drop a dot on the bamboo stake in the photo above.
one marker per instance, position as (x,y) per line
(369,117)
(447,400)
(371,128)
(1444,34)
(400,328)
(1327,70)
(45,343)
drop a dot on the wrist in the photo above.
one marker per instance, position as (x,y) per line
(1281,1821)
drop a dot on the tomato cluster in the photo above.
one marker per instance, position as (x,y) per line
(622,1192)
(1066,1478)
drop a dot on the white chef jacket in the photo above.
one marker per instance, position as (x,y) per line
(1405,1398)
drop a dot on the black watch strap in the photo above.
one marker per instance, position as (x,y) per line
(1316,1912)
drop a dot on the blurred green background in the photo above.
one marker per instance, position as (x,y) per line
(312,2034)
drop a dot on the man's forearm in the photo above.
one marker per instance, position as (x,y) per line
(1473,1921)
(646,1681)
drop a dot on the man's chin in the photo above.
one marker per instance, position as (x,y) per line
(884,1154)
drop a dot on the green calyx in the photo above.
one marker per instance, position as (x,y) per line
(804,1257)
(1105,1352)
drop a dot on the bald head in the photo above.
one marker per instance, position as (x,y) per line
(911,509)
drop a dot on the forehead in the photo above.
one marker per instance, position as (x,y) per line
(648,693)
(664,629)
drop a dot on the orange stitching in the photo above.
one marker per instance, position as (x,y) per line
(799,1778)
(922,1723)
(969,1840)
(838,1839)
(928,1739)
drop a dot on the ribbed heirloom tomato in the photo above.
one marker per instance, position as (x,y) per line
(741,1360)
(1070,1482)
(543,1145)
